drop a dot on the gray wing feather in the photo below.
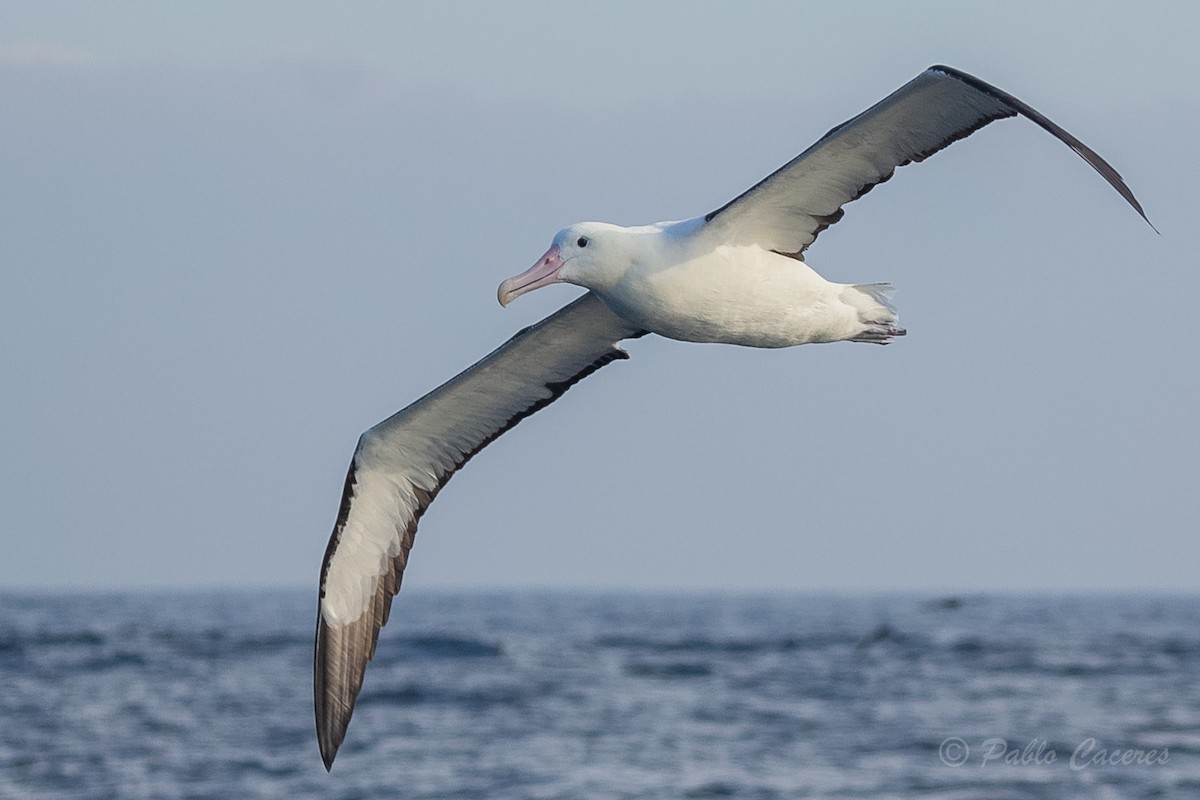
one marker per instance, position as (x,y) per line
(402,463)
(788,209)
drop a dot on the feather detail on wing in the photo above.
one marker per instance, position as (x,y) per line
(402,463)
(787,210)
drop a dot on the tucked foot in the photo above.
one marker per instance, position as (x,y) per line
(880,333)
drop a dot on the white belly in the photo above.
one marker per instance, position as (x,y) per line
(737,295)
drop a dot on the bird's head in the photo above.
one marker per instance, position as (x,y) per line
(593,255)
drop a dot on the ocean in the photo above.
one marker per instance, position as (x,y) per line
(549,694)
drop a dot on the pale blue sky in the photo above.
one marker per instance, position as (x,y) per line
(235,235)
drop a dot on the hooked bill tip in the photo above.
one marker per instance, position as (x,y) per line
(504,293)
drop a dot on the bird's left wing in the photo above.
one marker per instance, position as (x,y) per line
(788,209)
(402,463)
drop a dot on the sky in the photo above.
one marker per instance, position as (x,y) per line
(235,235)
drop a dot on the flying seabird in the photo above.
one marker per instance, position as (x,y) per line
(735,275)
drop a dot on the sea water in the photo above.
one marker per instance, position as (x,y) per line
(545,694)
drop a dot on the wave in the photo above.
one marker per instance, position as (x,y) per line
(673,670)
(705,645)
(434,646)
(474,699)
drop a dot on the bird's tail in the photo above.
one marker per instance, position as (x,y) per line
(875,309)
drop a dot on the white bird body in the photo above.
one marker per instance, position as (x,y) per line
(735,275)
(685,285)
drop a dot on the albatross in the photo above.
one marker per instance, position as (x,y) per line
(735,275)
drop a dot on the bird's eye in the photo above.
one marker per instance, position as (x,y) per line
(582,242)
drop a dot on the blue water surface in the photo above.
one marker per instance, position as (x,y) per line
(541,694)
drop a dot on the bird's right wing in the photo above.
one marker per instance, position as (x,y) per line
(786,210)
(402,463)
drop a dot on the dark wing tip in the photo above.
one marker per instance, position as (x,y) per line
(340,662)
(330,730)
(342,652)
(333,718)
(1094,159)
(329,739)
